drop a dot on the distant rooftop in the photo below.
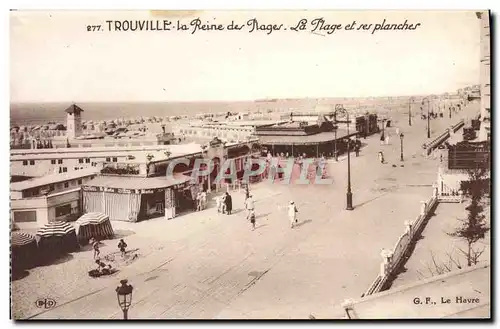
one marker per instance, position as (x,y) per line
(74,109)
(138,182)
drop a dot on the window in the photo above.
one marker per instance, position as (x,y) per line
(64,169)
(25,162)
(76,168)
(115,159)
(108,159)
(32,162)
(53,161)
(51,187)
(66,184)
(87,160)
(80,160)
(63,210)
(59,161)
(24,216)
(79,182)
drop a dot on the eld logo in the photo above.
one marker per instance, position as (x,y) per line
(45,303)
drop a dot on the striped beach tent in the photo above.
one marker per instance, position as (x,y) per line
(24,250)
(55,229)
(21,239)
(57,237)
(94,225)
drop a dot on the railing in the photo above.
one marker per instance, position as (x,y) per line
(393,259)
(443,137)
(459,125)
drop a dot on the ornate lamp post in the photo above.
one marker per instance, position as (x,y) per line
(124,295)
(401,136)
(340,109)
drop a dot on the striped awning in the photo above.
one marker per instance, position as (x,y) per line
(19,239)
(92,218)
(55,229)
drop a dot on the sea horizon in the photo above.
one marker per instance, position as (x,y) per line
(39,113)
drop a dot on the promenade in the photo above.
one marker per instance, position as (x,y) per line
(206,265)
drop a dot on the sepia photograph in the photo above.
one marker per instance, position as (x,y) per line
(250,165)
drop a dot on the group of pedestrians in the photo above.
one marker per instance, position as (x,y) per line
(201,200)
(224,203)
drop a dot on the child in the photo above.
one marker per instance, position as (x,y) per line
(95,245)
(122,245)
(251,215)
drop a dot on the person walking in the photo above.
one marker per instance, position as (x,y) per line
(203,200)
(249,205)
(122,246)
(95,246)
(198,201)
(223,203)
(292,214)
(229,203)
(218,202)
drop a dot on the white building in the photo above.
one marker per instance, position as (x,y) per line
(38,201)
(40,162)
(485,69)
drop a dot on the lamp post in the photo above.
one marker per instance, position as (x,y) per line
(340,109)
(428,118)
(124,295)
(335,142)
(401,136)
(409,110)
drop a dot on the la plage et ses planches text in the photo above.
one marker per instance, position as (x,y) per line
(317,25)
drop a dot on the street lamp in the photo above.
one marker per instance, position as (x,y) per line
(340,109)
(410,101)
(124,295)
(401,136)
(335,142)
(428,118)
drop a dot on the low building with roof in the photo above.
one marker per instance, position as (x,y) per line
(321,137)
(40,162)
(140,188)
(38,201)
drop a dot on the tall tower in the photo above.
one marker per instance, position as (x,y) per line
(73,121)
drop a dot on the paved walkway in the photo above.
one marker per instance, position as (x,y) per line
(206,265)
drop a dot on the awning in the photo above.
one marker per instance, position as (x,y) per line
(92,218)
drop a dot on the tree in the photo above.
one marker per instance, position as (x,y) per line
(474,226)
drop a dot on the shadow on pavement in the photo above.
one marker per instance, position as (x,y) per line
(119,234)
(303,223)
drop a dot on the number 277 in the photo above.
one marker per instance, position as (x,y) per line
(93,27)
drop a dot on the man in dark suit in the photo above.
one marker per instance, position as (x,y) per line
(229,203)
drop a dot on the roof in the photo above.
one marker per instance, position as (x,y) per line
(74,109)
(303,139)
(471,282)
(53,178)
(127,182)
(101,152)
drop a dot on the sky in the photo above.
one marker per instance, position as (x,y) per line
(53,58)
